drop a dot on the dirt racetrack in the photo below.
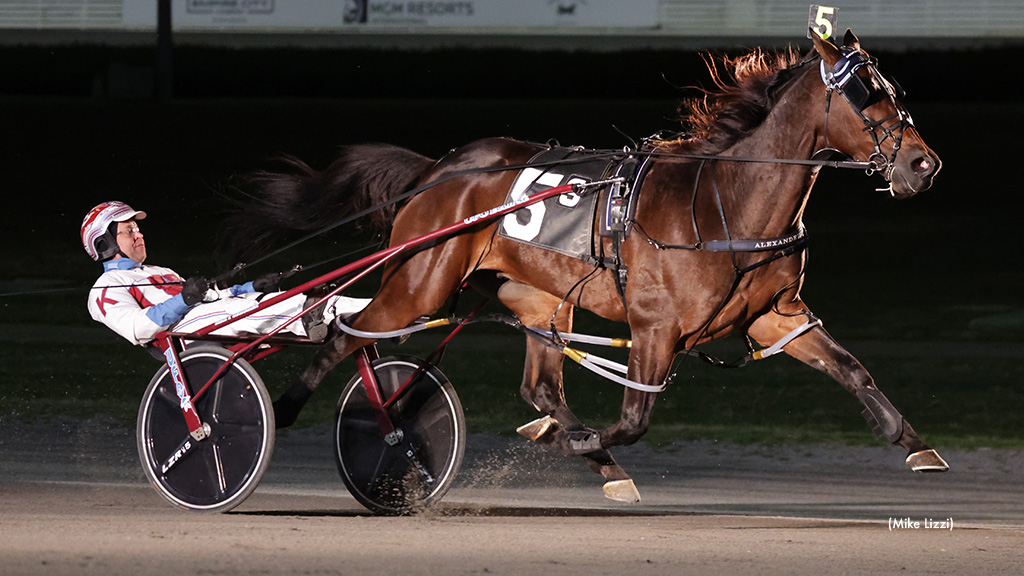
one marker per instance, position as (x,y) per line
(80,505)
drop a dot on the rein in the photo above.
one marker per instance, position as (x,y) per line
(834,79)
(869,167)
(876,163)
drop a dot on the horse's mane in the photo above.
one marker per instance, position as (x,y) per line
(745,90)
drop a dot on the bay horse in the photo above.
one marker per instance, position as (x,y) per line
(744,169)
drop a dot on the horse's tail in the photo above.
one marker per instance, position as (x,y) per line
(304,200)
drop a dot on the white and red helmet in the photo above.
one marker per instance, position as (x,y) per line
(97,238)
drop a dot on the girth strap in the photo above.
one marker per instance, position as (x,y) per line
(616,218)
(763,245)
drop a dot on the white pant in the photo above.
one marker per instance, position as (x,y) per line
(266,319)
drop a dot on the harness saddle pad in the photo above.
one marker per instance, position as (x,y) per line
(564,223)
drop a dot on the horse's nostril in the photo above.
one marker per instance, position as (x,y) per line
(923,166)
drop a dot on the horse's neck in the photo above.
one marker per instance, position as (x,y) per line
(766,198)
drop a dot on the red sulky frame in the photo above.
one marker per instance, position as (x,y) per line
(171,342)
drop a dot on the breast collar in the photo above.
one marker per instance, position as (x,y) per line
(618,215)
(617,218)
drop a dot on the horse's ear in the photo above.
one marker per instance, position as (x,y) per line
(827,50)
(850,40)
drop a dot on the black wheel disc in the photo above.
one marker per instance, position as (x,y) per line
(217,473)
(429,416)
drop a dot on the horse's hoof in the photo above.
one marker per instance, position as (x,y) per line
(927,461)
(621,491)
(537,428)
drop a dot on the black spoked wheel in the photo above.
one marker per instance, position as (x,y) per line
(428,415)
(216,473)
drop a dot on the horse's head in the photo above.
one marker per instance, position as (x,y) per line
(874,126)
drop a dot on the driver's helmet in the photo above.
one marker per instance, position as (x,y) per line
(97,237)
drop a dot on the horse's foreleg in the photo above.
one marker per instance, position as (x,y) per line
(542,387)
(819,350)
(649,361)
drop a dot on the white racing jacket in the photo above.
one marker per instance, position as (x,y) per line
(139,301)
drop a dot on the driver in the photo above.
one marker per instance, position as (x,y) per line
(138,301)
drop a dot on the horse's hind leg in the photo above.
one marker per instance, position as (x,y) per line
(404,297)
(542,387)
(291,402)
(817,349)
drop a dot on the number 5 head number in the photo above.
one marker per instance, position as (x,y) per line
(822,21)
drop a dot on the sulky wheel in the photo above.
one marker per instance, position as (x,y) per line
(216,473)
(428,417)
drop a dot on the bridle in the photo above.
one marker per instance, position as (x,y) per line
(843,78)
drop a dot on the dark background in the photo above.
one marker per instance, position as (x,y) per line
(939,273)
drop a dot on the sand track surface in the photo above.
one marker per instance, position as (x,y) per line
(74,500)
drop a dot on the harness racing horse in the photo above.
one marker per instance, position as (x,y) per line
(743,170)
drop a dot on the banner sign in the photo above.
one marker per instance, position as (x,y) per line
(458,13)
(254,15)
(275,15)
